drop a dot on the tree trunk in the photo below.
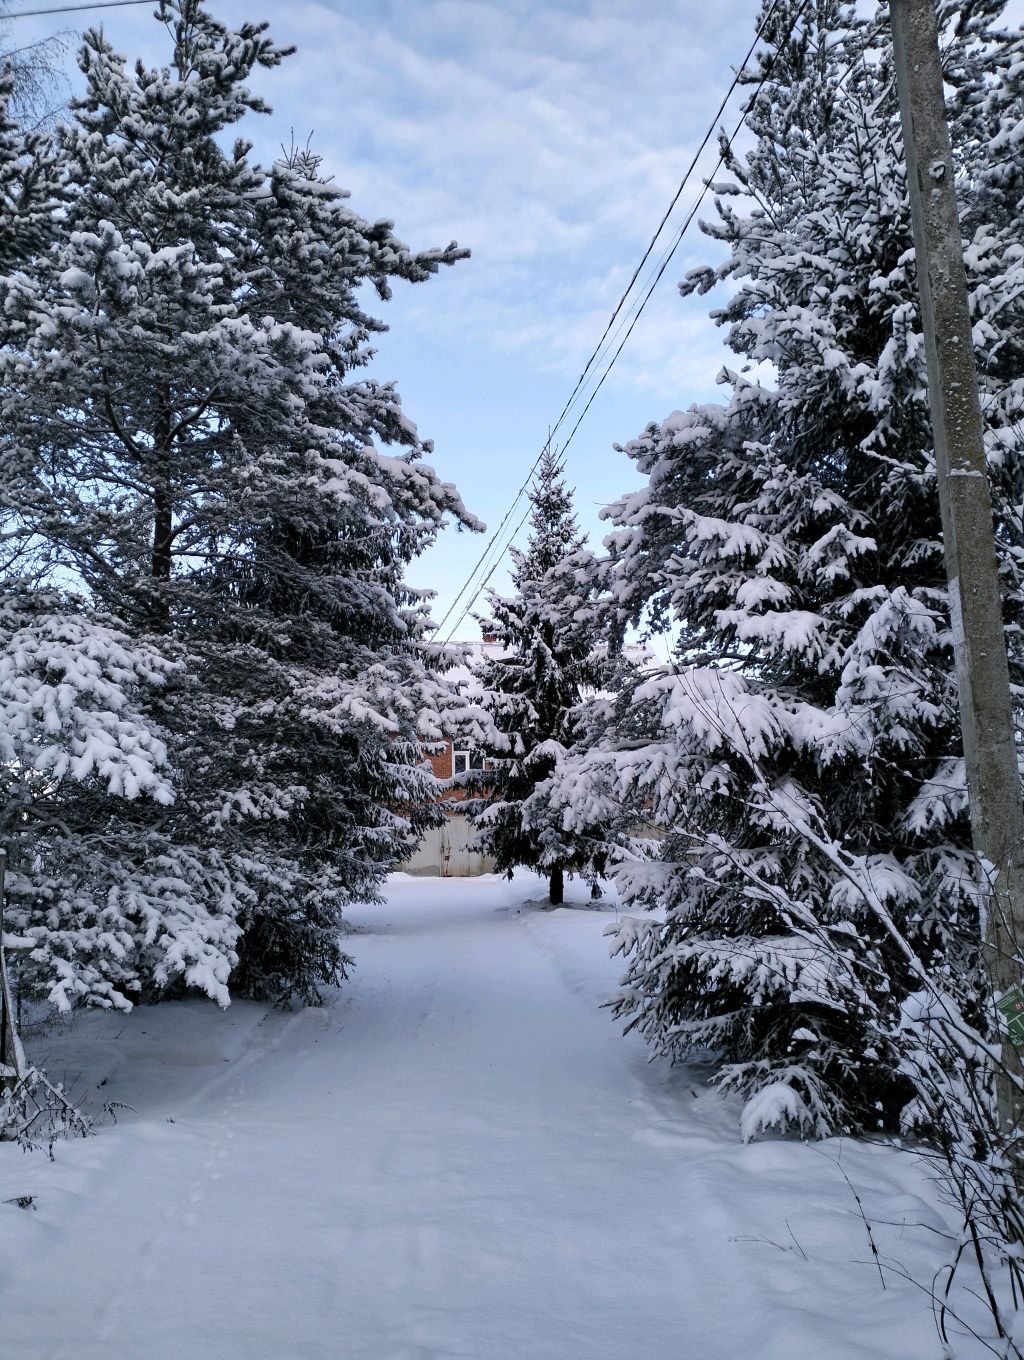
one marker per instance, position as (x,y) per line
(556,889)
(163,513)
(162,531)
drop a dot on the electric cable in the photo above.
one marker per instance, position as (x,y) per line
(635,312)
(72,9)
(581,381)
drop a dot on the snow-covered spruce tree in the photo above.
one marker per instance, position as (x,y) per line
(802,757)
(186,434)
(79,757)
(76,749)
(533,691)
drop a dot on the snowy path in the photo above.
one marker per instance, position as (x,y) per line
(460,1159)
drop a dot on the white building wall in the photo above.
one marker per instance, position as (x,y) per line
(445,852)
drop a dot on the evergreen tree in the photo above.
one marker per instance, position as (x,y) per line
(186,435)
(79,756)
(802,757)
(534,690)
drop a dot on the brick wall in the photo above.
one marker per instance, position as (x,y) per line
(441,763)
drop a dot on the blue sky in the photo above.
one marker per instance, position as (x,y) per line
(546,135)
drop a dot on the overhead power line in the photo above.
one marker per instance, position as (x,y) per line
(669,210)
(632,315)
(628,319)
(481,562)
(72,9)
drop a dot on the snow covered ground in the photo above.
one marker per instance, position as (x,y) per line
(459,1158)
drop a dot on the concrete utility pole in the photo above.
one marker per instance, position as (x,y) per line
(986,716)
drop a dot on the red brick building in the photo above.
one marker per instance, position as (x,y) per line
(447,850)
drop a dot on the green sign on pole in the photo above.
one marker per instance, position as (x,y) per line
(1011,1007)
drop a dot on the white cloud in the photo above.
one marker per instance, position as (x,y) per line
(547,135)
(548,138)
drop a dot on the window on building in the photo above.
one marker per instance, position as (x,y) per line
(467,759)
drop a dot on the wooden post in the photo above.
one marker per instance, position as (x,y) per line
(5,1020)
(556,886)
(986,714)
(12,1055)
(8,1046)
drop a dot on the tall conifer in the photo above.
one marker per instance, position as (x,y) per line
(187,436)
(534,688)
